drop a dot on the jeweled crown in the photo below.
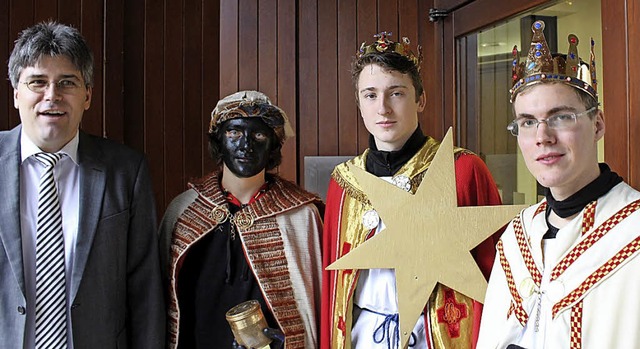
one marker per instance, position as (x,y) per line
(541,65)
(383,44)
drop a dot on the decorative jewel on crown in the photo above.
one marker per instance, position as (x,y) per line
(383,44)
(542,65)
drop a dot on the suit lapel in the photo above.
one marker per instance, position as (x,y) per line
(10,232)
(92,186)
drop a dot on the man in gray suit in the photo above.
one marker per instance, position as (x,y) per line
(110,280)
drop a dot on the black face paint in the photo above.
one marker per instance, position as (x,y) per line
(245,144)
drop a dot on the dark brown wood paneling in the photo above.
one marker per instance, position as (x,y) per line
(154,94)
(70,12)
(328,117)
(199,87)
(615,41)
(267,48)
(45,10)
(6,91)
(366,28)
(210,79)
(133,72)
(248,45)
(175,87)
(431,40)
(308,82)
(387,17)
(409,18)
(287,98)
(114,71)
(91,16)
(348,44)
(229,38)
(633,21)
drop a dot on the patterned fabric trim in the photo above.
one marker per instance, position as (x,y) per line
(575,341)
(523,244)
(194,223)
(541,208)
(265,251)
(588,217)
(516,303)
(414,169)
(622,255)
(596,235)
(263,244)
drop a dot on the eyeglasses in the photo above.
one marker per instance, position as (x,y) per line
(41,85)
(529,126)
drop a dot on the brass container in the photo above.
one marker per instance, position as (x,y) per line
(247,322)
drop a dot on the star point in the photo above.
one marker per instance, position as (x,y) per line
(421,256)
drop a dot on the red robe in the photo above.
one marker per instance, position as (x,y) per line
(475,187)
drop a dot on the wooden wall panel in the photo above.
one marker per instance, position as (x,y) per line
(211,51)
(248,45)
(197,57)
(6,44)
(174,83)
(154,87)
(328,119)
(634,92)
(229,64)
(113,68)
(348,44)
(90,16)
(307,126)
(366,27)
(133,72)
(287,97)
(621,21)
(44,10)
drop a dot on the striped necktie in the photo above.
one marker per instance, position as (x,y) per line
(51,299)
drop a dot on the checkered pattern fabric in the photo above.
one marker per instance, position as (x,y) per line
(596,235)
(595,277)
(526,251)
(575,341)
(541,208)
(516,304)
(588,217)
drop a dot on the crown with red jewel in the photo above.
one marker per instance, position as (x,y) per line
(383,44)
(541,65)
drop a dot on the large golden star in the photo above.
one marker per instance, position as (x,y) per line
(427,238)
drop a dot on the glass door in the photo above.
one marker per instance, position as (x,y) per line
(483,73)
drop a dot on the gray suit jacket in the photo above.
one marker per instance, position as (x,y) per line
(116,295)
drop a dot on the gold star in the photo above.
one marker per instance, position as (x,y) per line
(427,238)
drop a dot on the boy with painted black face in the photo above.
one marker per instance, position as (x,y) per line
(241,233)
(567,271)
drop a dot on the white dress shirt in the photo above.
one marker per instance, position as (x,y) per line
(66,175)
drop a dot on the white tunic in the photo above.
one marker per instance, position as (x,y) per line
(583,294)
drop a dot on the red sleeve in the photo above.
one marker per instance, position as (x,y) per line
(329,248)
(475,187)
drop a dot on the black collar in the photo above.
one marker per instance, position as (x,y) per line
(387,163)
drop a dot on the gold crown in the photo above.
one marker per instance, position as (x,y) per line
(383,44)
(541,65)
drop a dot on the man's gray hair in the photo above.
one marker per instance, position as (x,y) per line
(50,39)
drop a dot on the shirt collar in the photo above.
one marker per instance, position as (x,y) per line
(28,148)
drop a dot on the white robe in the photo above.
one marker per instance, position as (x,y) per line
(590,301)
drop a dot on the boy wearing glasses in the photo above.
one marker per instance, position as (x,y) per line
(78,247)
(566,274)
